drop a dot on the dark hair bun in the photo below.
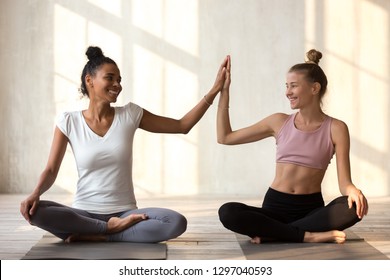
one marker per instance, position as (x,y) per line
(313,56)
(94,52)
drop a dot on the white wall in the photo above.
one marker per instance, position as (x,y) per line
(169,52)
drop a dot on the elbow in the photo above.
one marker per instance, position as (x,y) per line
(50,172)
(184,127)
(185,130)
(222,140)
(226,140)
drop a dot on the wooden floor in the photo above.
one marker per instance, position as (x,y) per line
(205,238)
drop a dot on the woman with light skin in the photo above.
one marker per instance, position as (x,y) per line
(293,209)
(101,137)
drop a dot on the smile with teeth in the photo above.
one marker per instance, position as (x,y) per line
(113,92)
(292,98)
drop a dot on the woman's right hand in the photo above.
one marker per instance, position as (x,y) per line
(221,76)
(29,206)
(227,82)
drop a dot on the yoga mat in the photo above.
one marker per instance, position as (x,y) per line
(355,248)
(53,248)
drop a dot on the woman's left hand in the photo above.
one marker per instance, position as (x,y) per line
(361,202)
(221,75)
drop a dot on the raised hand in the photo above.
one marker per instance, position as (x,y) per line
(221,75)
(227,82)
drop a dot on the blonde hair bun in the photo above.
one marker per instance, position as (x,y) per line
(313,56)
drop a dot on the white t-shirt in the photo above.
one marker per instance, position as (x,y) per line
(104,164)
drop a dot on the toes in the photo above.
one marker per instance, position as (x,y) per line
(256,240)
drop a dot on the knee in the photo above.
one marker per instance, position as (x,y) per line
(180,225)
(349,214)
(39,215)
(229,213)
(350,211)
(176,225)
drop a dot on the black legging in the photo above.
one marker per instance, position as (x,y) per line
(286,217)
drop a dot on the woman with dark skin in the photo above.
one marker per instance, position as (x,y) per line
(101,138)
(293,209)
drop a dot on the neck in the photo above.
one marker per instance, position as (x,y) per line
(99,110)
(311,114)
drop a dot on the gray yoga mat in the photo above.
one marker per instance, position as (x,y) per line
(52,248)
(355,248)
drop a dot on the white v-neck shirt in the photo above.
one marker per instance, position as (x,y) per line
(104,163)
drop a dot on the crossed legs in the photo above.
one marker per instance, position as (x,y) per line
(139,225)
(278,222)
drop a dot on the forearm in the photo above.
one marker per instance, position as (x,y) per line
(46,180)
(223,118)
(189,120)
(348,188)
(160,124)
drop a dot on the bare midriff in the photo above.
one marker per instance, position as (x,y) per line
(297,179)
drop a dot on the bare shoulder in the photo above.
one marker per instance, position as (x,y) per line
(276,121)
(339,130)
(339,125)
(279,117)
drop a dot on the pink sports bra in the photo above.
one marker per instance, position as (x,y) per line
(307,148)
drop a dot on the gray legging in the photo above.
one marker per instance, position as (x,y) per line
(62,221)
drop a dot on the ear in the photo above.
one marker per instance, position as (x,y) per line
(88,80)
(316,88)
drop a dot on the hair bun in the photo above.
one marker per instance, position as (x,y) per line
(94,52)
(313,56)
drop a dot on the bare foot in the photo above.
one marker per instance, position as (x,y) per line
(256,240)
(86,237)
(335,236)
(116,224)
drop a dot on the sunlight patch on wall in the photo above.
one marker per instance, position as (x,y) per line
(174,21)
(181,156)
(148,71)
(373,78)
(358,80)
(339,27)
(145,10)
(310,26)
(181,25)
(67,57)
(354,39)
(370,177)
(68,62)
(164,163)
(113,7)
(374,39)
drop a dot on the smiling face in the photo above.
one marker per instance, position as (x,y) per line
(105,85)
(300,92)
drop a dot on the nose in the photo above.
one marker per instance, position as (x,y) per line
(288,91)
(117,84)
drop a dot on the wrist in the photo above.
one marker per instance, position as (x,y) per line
(37,192)
(213,92)
(210,96)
